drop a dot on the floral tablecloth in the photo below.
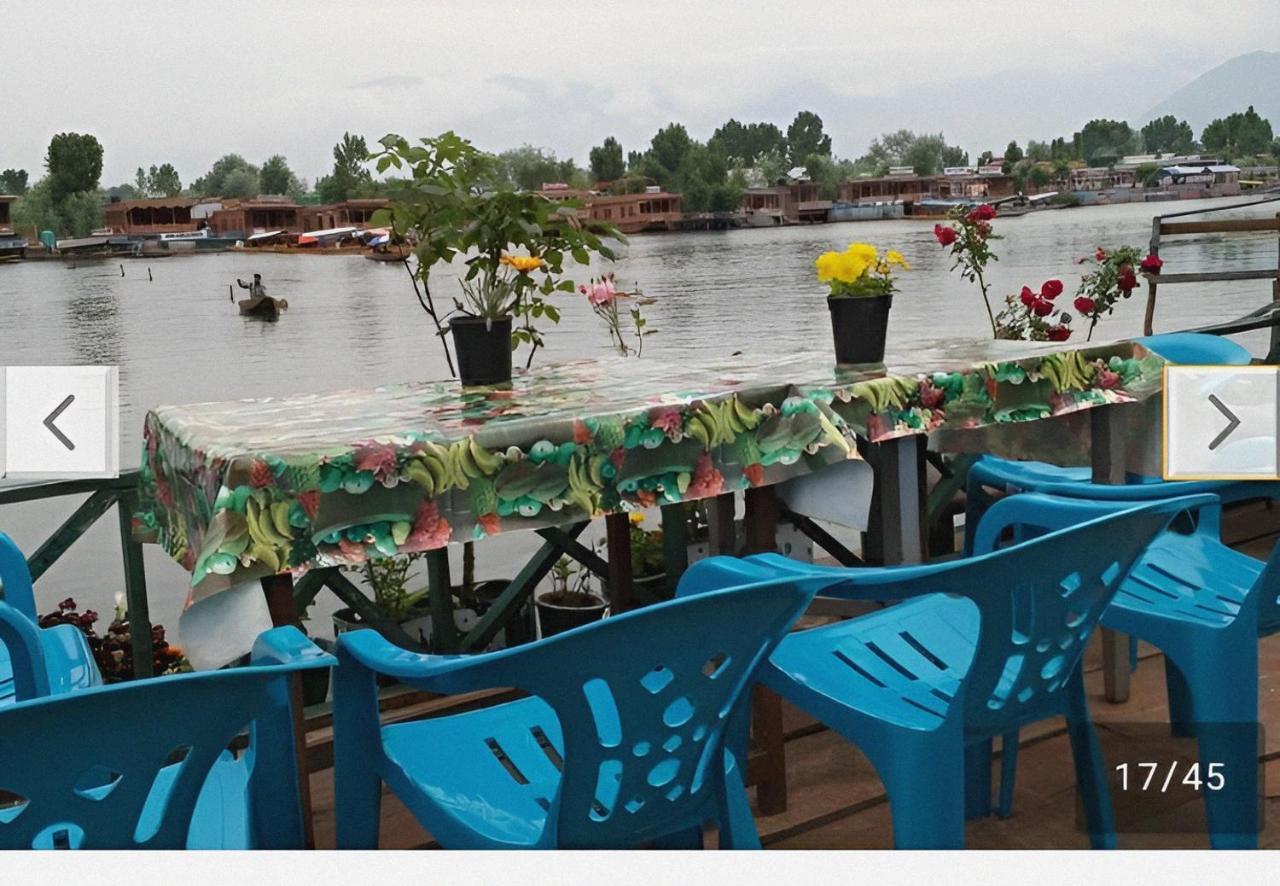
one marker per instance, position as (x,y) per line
(243,489)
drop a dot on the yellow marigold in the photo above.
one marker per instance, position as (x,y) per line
(522,263)
(894,257)
(636,518)
(850,267)
(826,265)
(865,252)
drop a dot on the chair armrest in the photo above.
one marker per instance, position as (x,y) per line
(446,674)
(1049,513)
(68,659)
(289,647)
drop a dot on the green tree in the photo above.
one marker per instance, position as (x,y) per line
(606,161)
(1147,174)
(213,182)
(1012,154)
(805,138)
(276,177)
(140,181)
(74,215)
(669,146)
(241,183)
(350,174)
(747,142)
(1038,176)
(1038,151)
(771,166)
(1167,134)
(1103,142)
(13,182)
(1238,135)
(163,180)
(985,157)
(926,153)
(74,161)
(528,168)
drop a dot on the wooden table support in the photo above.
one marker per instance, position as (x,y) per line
(617,529)
(896,531)
(278,589)
(675,543)
(1107,454)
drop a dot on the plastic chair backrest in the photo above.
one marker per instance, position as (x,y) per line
(93,769)
(15,579)
(1197,348)
(642,699)
(1040,600)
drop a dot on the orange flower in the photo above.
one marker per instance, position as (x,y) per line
(522,263)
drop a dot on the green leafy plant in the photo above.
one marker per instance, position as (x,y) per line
(647,559)
(1114,276)
(453,207)
(572,584)
(389,579)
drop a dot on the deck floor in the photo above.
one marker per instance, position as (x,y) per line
(835,801)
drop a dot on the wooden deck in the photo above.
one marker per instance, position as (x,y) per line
(837,802)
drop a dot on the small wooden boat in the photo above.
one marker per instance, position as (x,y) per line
(263,307)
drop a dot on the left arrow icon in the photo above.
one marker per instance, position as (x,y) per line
(53,416)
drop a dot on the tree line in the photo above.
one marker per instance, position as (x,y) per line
(710,176)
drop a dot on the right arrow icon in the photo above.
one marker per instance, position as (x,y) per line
(1232,422)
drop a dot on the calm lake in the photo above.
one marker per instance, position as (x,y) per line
(352,322)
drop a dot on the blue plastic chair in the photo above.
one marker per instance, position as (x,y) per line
(1204,606)
(67,660)
(1008,475)
(981,647)
(144,765)
(620,743)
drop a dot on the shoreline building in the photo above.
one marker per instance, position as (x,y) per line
(11,245)
(903,186)
(151,217)
(354,213)
(242,219)
(652,210)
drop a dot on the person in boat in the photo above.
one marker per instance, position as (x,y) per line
(256,289)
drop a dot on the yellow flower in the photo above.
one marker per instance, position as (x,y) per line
(850,267)
(865,252)
(826,265)
(636,518)
(894,257)
(522,263)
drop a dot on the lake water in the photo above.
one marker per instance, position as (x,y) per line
(352,322)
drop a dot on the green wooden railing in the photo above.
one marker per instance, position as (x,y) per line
(120,492)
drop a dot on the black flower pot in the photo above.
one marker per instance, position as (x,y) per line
(559,612)
(859,326)
(483,349)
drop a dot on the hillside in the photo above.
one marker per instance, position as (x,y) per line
(1245,80)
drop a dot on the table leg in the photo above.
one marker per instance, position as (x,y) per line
(724,535)
(617,530)
(278,589)
(444,632)
(761,531)
(897,528)
(675,543)
(1106,450)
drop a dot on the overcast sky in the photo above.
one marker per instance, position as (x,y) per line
(187,82)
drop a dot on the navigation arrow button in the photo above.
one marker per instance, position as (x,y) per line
(71,398)
(1233,422)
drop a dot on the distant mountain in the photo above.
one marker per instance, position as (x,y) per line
(1245,80)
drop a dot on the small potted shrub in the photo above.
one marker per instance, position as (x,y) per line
(861,294)
(648,563)
(571,602)
(411,610)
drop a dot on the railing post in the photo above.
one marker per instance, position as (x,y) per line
(135,587)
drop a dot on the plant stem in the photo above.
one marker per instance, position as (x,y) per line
(982,284)
(429,306)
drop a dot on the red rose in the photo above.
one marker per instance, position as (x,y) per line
(1051,288)
(1028,297)
(984,229)
(985,212)
(1101,254)
(1126,279)
(945,233)
(1058,333)
(1042,307)
(1083,304)
(1152,264)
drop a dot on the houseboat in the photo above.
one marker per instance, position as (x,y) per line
(12,247)
(653,210)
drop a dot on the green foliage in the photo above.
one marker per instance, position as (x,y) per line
(1038,175)
(702,180)
(74,162)
(163,181)
(667,149)
(1012,154)
(926,153)
(1238,135)
(1167,134)
(214,182)
(13,182)
(828,174)
(1147,174)
(276,177)
(350,176)
(806,138)
(606,161)
(75,215)
(528,168)
(747,143)
(1103,142)
(455,213)
(1038,152)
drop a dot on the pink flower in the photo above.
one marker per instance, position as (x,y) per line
(601,293)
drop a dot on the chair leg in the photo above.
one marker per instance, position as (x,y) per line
(1181,714)
(357,787)
(1091,768)
(737,825)
(1225,700)
(926,787)
(1008,773)
(977,779)
(976,503)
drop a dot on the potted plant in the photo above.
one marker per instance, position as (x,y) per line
(571,602)
(648,562)
(389,580)
(861,294)
(456,207)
